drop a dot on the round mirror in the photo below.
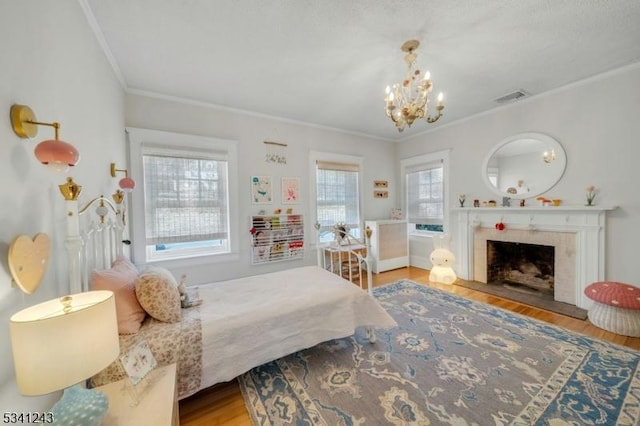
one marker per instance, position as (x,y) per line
(524,165)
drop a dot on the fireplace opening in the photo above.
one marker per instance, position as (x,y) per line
(528,267)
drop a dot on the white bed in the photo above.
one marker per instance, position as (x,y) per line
(241,323)
(261,318)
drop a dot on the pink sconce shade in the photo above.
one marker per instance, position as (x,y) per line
(127,184)
(57,154)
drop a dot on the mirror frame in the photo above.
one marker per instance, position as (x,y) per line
(561,156)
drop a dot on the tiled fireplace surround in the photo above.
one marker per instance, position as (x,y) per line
(576,233)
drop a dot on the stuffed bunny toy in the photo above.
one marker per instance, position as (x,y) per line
(186,299)
(442,260)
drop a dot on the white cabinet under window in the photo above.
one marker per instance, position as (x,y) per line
(389,244)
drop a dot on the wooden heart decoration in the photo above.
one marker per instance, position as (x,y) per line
(28,260)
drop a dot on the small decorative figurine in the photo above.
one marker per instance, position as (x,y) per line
(591,194)
(442,260)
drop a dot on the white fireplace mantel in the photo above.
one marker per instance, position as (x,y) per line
(587,223)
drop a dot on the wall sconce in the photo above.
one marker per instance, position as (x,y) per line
(126,183)
(54,153)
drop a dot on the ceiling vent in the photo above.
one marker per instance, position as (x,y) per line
(512,97)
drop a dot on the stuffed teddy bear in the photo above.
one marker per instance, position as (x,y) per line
(442,260)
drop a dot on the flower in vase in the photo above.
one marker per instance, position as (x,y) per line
(591,194)
(461,199)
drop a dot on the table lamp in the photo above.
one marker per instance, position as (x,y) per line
(59,344)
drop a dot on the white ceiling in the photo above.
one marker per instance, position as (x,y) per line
(327,62)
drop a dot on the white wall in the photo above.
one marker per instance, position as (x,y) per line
(598,125)
(51,62)
(249,131)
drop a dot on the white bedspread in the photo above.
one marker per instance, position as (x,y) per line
(249,321)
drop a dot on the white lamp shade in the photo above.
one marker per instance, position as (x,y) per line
(53,350)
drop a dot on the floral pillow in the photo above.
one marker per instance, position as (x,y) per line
(119,279)
(157,292)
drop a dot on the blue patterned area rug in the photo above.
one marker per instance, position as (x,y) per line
(450,361)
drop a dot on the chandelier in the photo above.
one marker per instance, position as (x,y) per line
(407,101)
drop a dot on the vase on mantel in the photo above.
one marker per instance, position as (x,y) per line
(591,194)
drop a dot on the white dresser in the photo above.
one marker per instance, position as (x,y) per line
(389,244)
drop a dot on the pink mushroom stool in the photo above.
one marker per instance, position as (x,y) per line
(616,307)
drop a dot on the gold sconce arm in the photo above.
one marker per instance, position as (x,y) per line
(114,170)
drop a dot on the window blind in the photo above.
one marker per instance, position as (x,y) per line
(425,193)
(186,197)
(337,194)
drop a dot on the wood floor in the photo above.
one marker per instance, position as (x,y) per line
(223,404)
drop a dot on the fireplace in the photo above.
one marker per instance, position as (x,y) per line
(577,235)
(521,265)
(563,265)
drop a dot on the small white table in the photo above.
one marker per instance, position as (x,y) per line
(158,403)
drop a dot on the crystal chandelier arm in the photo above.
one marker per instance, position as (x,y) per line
(439,107)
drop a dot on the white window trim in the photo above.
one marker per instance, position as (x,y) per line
(314,157)
(407,163)
(136,138)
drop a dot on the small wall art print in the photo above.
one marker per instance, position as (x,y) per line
(290,190)
(261,190)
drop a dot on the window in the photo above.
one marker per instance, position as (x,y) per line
(425,184)
(337,195)
(425,197)
(185,207)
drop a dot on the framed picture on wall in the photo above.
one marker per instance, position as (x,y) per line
(290,190)
(261,192)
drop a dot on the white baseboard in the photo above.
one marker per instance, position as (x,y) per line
(420,262)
